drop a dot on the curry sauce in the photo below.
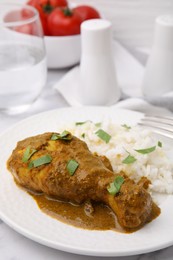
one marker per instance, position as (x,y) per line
(103,218)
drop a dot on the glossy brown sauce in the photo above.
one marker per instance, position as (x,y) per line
(103,218)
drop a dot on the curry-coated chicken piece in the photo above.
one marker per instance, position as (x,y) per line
(62,167)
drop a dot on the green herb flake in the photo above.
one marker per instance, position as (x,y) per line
(159,144)
(72,166)
(147,150)
(126,127)
(28,154)
(129,159)
(98,124)
(45,159)
(115,186)
(83,135)
(103,135)
(111,189)
(82,123)
(65,135)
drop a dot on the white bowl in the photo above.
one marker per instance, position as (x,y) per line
(62,51)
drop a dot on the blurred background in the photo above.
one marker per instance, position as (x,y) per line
(133,20)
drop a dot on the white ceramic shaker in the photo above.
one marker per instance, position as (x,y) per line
(98,83)
(158,77)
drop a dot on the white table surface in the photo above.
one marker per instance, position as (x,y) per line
(14,246)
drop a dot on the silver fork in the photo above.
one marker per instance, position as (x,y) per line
(162,125)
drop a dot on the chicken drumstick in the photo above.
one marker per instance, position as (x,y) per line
(42,164)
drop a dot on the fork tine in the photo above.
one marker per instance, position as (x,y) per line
(160,117)
(162,125)
(158,129)
(157,119)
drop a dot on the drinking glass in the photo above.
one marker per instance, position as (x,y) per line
(23,68)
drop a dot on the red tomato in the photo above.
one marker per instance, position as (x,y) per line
(86,12)
(45,7)
(56,3)
(35,3)
(43,17)
(26,29)
(13,16)
(16,16)
(62,22)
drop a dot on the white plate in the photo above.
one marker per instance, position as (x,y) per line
(20,211)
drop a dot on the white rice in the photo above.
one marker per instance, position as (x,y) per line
(156,165)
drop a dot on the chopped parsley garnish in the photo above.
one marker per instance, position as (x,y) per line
(72,166)
(45,159)
(126,127)
(65,135)
(103,135)
(129,159)
(159,144)
(82,123)
(83,135)
(147,150)
(115,186)
(28,154)
(98,124)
